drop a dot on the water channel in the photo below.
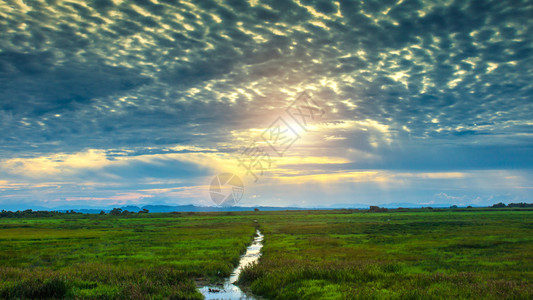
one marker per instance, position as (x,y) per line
(228,290)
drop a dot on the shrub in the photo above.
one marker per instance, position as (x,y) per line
(37,289)
(116,211)
(377,209)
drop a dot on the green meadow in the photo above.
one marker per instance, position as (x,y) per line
(341,254)
(139,256)
(399,255)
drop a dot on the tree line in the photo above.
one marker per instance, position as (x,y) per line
(46,213)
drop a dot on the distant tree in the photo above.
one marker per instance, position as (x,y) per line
(116,211)
(377,209)
(256,209)
(102,212)
(144,211)
(469,206)
(498,205)
(521,204)
(31,213)
(453,206)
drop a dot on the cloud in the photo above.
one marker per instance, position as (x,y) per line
(413,86)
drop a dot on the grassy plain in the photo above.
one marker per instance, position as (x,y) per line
(399,255)
(339,254)
(138,256)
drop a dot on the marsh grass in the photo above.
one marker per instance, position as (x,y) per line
(408,255)
(108,257)
(342,254)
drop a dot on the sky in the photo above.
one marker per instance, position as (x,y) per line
(310,103)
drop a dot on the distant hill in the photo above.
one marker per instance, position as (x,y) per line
(181,208)
(193,208)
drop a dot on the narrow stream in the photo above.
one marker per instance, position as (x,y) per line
(228,290)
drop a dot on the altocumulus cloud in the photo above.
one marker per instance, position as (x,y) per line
(412,87)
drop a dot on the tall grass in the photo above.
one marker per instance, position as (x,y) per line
(422,255)
(306,255)
(105,257)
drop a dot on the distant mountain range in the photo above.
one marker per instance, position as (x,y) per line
(386,205)
(186,208)
(194,208)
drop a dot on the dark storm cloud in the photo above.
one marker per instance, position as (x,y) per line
(145,74)
(34,86)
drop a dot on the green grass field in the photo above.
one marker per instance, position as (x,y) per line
(93,256)
(408,255)
(306,255)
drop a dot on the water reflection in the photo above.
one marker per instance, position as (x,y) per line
(228,290)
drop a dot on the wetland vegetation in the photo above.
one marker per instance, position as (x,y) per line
(336,254)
